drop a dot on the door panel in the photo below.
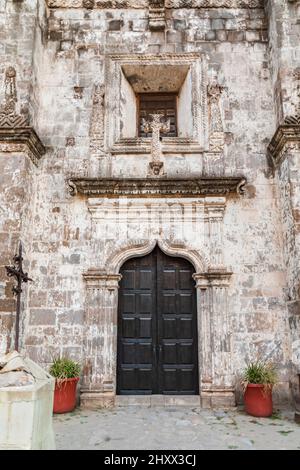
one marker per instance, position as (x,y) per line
(157,327)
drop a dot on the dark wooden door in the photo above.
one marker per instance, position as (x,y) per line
(157,327)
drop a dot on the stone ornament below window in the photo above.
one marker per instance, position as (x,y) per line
(156,126)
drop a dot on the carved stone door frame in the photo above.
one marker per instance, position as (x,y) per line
(214,327)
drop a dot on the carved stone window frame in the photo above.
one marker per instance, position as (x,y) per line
(115,144)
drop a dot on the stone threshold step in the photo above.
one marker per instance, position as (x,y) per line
(157,400)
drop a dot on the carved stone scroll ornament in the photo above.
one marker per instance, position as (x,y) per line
(156,126)
(9,118)
(157,15)
(97,121)
(216,130)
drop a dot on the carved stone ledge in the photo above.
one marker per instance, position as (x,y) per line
(286,134)
(19,138)
(156,187)
(99,279)
(217,278)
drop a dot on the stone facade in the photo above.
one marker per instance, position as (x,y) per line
(76,187)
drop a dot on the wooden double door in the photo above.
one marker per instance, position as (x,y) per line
(157,327)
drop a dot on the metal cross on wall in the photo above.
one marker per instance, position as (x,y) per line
(17,272)
(156,126)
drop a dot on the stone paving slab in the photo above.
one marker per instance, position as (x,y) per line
(174,428)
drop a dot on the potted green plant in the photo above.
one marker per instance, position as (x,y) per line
(66,373)
(258,380)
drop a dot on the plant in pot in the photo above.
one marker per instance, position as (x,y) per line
(258,380)
(66,373)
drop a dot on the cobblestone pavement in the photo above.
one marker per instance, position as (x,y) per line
(135,428)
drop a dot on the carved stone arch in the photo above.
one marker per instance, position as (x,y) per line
(134,249)
(198,258)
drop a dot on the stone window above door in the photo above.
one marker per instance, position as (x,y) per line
(178,80)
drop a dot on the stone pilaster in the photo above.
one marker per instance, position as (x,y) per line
(215,351)
(214,211)
(100,341)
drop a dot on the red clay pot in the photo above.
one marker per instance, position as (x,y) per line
(258,401)
(65,396)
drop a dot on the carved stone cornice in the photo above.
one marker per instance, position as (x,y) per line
(19,138)
(156,187)
(143,4)
(285,134)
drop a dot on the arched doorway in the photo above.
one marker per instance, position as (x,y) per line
(157,327)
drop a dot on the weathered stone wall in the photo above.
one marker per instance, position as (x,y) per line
(69,58)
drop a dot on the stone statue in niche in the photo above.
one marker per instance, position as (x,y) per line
(156,126)
(216,130)
(9,118)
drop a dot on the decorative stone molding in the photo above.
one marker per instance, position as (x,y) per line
(154,187)
(15,133)
(218,278)
(143,4)
(216,130)
(285,136)
(142,145)
(8,114)
(97,121)
(157,15)
(95,279)
(9,118)
(137,248)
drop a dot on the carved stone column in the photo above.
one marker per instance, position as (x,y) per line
(100,343)
(215,351)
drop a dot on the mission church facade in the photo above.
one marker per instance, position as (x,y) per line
(149,164)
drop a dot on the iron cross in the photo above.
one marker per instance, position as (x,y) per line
(17,272)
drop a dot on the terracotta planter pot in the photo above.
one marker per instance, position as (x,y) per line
(258,401)
(65,396)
